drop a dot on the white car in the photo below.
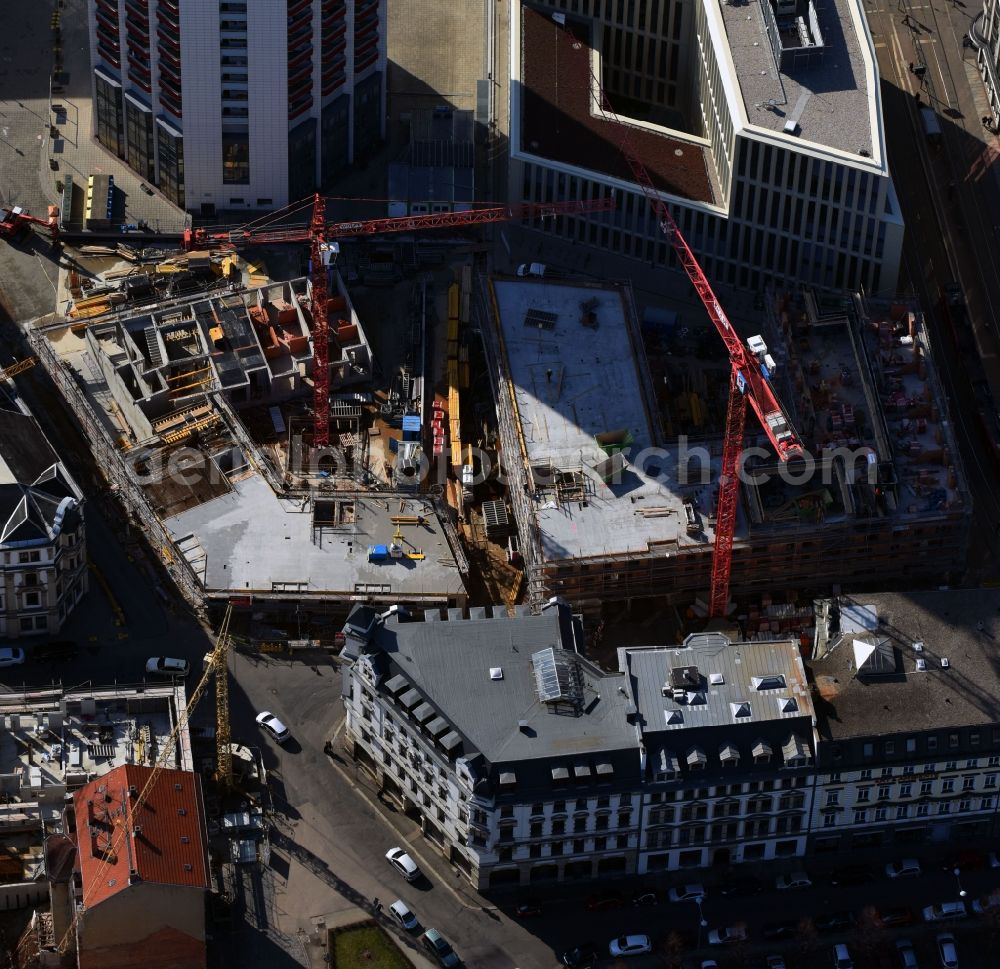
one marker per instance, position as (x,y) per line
(727,936)
(273,726)
(403,863)
(907,868)
(797,879)
(945,912)
(986,903)
(907,957)
(947,951)
(400,911)
(166,666)
(531,269)
(842,957)
(630,945)
(687,893)
(11,656)
(994,860)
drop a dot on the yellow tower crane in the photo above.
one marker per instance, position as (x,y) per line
(18,366)
(217,666)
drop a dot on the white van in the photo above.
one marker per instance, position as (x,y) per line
(531,269)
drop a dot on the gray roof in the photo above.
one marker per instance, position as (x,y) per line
(834,101)
(449,664)
(757,681)
(961,626)
(252,540)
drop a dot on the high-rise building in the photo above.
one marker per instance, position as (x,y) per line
(234,104)
(760,125)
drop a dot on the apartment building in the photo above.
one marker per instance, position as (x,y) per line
(984,36)
(761,127)
(908,719)
(526,763)
(240,103)
(43,554)
(727,739)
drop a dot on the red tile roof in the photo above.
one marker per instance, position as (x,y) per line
(162,841)
(556,122)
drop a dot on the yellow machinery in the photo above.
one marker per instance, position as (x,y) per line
(19,366)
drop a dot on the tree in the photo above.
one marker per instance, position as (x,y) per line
(806,936)
(867,935)
(672,950)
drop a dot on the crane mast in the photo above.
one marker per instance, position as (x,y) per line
(321,333)
(747,384)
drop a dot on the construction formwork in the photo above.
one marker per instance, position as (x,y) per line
(116,470)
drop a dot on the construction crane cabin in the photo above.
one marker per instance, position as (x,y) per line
(322,237)
(748,381)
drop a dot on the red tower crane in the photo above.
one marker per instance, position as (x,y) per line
(748,381)
(319,233)
(15,223)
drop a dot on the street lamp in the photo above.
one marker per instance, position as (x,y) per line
(702,923)
(957,872)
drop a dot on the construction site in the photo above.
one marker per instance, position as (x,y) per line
(617,435)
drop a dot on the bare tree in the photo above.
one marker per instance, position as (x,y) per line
(672,950)
(806,936)
(867,935)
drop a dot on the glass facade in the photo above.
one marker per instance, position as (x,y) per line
(302,160)
(108,109)
(170,148)
(139,138)
(335,131)
(236,158)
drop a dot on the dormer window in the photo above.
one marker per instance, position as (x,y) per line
(728,754)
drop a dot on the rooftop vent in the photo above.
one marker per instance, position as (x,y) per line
(522,725)
(557,676)
(741,709)
(182,811)
(496,672)
(716,679)
(918,646)
(788,704)
(685,677)
(133,791)
(188,867)
(177,787)
(673,717)
(945,662)
(921,665)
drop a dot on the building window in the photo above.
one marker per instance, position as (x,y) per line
(932,743)
(887,772)
(971,764)
(829,820)
(236,159)
(536,830)
(864,793)
(753,852)
(784,848)
(923,810)
(537,808)
(23,557)
(911,745)
(925,788)
(884,792)
(968,783)
(579,846)
(832,798)
(953,740)
(860,817)
(600,844)
(951,765)
(866,774)
(905,790)
(535,851)
(902,812)
(869,750)
(32,599)
(890,748)
(624,819)
(558,807)
(559,826)
(990,780)
(948,786)
(965,805)
(986,804)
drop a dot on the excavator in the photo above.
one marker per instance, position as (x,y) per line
(16,223)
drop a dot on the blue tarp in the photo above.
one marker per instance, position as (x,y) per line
(378,552)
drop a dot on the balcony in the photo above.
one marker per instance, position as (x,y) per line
(300,77)
(169,55)
(136,11)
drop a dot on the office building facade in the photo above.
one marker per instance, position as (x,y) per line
(762,133)
(238,103)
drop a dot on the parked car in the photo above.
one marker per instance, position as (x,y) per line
(852,875)
(400,911)
(531,269)
(907,868)
(273,726)
(55,650)
(645,896)
(630,945)
(403,863)
(529,908)
(687,893)
(967,860)
(986,903)
(830,922)
(11,656)
(842,957)
(892,917)
(167,666)
(780,930)
(583,956)
(947,952)
(728,935)
(604,902)
(945,912)
(438,946)
(741,886)
(709,964)
(775,962)
(993,859)
(907,957)
(797,879)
